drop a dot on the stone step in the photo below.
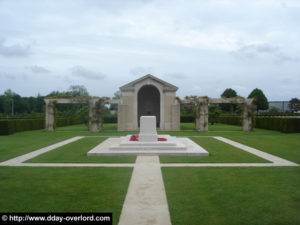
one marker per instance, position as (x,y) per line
(146,148)
(137,143)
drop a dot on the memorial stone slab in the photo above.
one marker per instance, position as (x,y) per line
(148,131)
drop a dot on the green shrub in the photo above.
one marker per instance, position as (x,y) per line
(230,119)
(18,125)
(282,124)
(187,118)
(6,127)
(110,119)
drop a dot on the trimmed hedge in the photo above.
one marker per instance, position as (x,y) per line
(110,119)
(230,119)
(17,125)
(282,124)
(187,119)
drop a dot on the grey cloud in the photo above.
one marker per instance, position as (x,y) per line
(281,58)
(15,50)
(8,76)
(38,69)
(251,51)
(25,77)
(82,72)
(257,50)
(140,71)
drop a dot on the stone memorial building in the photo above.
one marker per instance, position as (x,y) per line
(148,96)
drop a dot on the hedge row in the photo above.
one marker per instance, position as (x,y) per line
(66,121)
(282,124)
(187,119)
(110,119)
(230,119)
(17,125)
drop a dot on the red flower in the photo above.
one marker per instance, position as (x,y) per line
(162,139)
(134,138)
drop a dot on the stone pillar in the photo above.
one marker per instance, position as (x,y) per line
(248,117)
(95,119)
(175,116)
(50,115)
(122,117)
(202,115)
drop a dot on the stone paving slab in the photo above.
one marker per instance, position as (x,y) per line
(146,201)
(74,164)
(225,164)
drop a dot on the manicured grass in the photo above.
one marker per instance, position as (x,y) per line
(215,127)
(217,130)
(220,152)
(23,142)
(64,189)
(75,152)
(286,146)
(235,196)
(83,127)
(283,145)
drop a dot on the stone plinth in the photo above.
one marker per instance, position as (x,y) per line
(148,131)
(122,146)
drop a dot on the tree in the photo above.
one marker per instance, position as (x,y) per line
(260,100)
(214,113)
(117,95)
(294,104)
(228,93)
(78,90)
(273,110)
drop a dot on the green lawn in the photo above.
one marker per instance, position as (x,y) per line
(283,145)
(220,152)
(215,127)
(266,195)
(75,152)
(235,196)
(286,146)
(21,143)
(63,189)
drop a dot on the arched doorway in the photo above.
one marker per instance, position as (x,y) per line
(149,103)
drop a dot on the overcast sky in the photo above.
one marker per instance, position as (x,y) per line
(202,47)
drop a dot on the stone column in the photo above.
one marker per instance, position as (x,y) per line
(95,119)
(175,125)
(248,116)
(202,115)
(49,115)
(122,110)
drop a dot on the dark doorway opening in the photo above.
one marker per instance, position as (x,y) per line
(149,103)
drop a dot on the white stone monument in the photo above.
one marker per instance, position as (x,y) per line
(148,143)
(148,131)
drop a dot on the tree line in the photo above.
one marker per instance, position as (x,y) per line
(13,105)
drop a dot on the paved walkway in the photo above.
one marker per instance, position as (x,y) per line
(146,202)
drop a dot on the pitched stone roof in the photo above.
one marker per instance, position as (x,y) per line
(166,86)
